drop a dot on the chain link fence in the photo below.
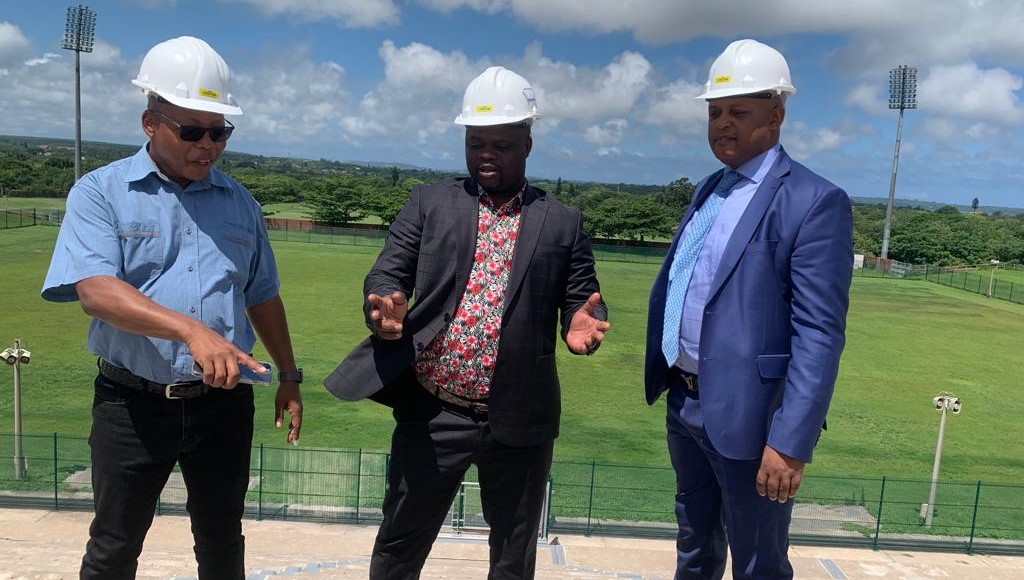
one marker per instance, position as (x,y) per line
(347,486)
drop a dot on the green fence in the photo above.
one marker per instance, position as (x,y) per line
(1005,282)
(347,486)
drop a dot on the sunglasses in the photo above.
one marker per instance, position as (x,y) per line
(192,133)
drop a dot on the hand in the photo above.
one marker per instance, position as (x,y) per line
(585,331)
(388,312)
(779,476)
(288,399)
(218,357)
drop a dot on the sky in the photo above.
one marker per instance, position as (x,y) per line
(382,81)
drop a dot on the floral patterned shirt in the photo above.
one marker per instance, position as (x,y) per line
(460,360)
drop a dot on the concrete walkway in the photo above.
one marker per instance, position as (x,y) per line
(48,545)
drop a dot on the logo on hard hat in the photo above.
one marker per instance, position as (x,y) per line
(531,99)
(484,109)
(209,93)
(722,79)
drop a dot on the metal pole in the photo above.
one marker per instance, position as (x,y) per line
(19,454)
(991,280)
(935,470)
(892,188)
(78,115)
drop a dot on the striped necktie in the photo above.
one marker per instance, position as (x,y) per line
(684,260)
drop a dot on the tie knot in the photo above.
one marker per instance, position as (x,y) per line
(725,184)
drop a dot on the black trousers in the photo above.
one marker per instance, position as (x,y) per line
(136,439)
(432,446)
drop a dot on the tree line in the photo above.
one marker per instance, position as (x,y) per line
(338,194)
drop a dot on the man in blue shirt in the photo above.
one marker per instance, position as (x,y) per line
(171,259)
(746,325)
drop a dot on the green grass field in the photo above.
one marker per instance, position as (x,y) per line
(907,341)
(40,203)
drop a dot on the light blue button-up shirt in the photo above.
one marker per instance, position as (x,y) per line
(753,172)
(202,251)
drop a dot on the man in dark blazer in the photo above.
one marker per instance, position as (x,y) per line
(492,265)
(746,325)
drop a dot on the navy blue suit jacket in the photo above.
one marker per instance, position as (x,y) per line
(775,319)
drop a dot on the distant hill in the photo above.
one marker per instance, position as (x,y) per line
(934,205)
(98,153)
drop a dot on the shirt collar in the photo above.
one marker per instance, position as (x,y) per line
(513,204)
(757,167)
(142,166)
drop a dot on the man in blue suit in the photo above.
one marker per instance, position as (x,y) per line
(746,325)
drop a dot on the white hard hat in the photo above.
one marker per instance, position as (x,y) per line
(498,97)
(188,73)
(748,67)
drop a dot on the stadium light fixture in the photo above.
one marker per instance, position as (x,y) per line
(902,95)
(79,33)
(943,402)
(16,356)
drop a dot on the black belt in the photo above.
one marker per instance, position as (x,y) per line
(688,379)
(125,378)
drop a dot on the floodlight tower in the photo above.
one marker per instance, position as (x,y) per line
(942,403)
(16,356)
(902,95)
(78,36)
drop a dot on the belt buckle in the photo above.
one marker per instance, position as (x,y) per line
(479,408)
(691,382)
(168,388)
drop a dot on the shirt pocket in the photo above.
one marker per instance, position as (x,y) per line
(237,246)
(145,251)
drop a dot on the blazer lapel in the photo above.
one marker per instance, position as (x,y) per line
(749,222)
(531,222)
(465,221)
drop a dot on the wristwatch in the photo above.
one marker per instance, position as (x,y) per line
(295,376)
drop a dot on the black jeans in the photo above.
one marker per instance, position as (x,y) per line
(432,447)
(136,439)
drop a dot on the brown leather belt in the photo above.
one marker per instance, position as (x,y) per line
(125,378)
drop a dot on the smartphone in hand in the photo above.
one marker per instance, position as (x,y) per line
(249,376)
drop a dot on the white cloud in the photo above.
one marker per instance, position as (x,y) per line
(608,151)
(104,56)
(804,142)
(570,92)
(13,43)
(867,98)
(608,133)
(46,58)
(419,97)
(291,98)
(967,91)
(351,13)
(880,32)
(674,108)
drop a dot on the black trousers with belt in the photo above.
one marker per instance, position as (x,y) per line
(136,439)
(432,447)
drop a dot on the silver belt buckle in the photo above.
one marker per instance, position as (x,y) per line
(167,390)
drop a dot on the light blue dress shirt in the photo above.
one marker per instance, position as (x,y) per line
(202,251)
(753,172)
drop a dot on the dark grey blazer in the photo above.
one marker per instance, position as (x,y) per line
(428,255)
